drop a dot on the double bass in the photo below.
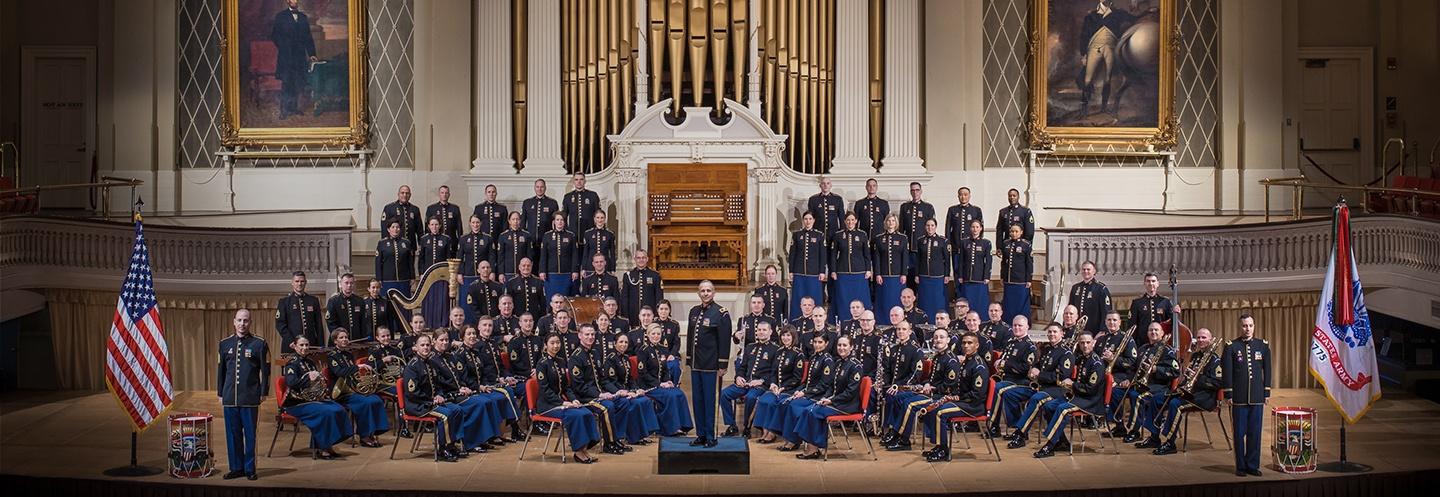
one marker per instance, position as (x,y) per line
(1183,335)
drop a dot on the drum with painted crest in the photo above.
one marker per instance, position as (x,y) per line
(1294,439)
(190,455)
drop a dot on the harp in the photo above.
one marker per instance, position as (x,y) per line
(437,292)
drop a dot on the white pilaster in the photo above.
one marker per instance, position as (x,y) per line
(902,87)
(852,122)
(493,140)
(642,55)
(752,78)
(542,125)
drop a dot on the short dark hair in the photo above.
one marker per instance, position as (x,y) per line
(347,275)
(1246,315)
(297,273)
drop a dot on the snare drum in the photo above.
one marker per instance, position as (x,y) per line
(1294,439)
(190,455)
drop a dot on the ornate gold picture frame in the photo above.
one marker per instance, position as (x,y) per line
(294,72)
(1102,75)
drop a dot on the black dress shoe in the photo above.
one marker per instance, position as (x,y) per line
(1240,472)
(233,475)
(898,446)
(252,476)
(326,455)
(1016,442)
(613,450)
(1165,449)
(624,447)
(1253,472)
(587,460)
(447,455)
(730,431)
(1130,438)
(1044,452)
(887,439)
(940,455)
(698,441)
(405,432)
(370,443)
(480,449)
(643,441)
(542,428)
(1149,443)
(1011,435)
(786,448)
(1063,445)
(813,455)
(710,443)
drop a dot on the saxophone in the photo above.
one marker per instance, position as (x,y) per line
(1004,358)
(1197,364)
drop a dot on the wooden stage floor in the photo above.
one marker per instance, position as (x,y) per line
(74,435)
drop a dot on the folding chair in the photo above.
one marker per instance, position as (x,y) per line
(856,418)
(532,391)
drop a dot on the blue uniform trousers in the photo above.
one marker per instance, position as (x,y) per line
(240,437)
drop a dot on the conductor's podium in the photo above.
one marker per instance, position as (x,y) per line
(729,456)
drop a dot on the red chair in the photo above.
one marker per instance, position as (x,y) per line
(856,418)
(532,391)
(421,421)
(959,422)
(1219,416)
(505,359)
(634,368)
(282,418)
(1104,420)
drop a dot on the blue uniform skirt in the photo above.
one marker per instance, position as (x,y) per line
(887,295)
(673,365)
(932,296)
(848,287)
(369,413)
(978,294)
(791,414)
(805,285)
(328,422)
(769,412)
(1016,303)
(557,283)
(478,425)
(581,426)
(812,427)
(672,410)
(642,420)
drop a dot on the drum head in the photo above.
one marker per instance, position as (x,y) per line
(585,309)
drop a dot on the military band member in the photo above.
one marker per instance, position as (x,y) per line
(527,348)
(942,322)
(671,339)
(994,328)
(1069,318)
(527,290)
(483,296)
(872,210)
(557,303)
(1014,214)
(1091,298)
(328,422)
(512,246)
(446,212)
(492,214)
(387,354)
(557,400)
(754,369)
(1158,367)
(1052,373)
(599,283)
(708,355)
(777,298)
(242,378)
(893,261)
(417,329)
(851,327)
(375,312)
(972,267)
(914,214)
(789,375)
(585,376)
(958,390)
(559,259)
(435,247)
(1118,350)
(1013,368)
(367,410)
(972,325)
(1200,381)
(395,259)
(804,322)
(958,309)
(818,327)
(842,397)
(605,333)
(745,328)
(406,213)
(913,313)
(456,324)
(959,217)
(1017,266)
(807,260)
(600,241)
(620,379)
(481,420)
(425,397)
(641,287)
(345,309)
(867,347)
(1248,371)
(298,314)
(1085,393)
(486,375)
(475,247)
(580,206)
(507,322)
(538,210)
(611,308)
(898,382)
(819,378)
(1151,307)
(932,267)
(672,409)
(827,208)
(850,266)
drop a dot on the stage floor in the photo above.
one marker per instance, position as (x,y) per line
(77,435)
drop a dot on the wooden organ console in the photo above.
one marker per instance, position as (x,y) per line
(698,226)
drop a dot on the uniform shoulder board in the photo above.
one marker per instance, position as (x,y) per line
(1264,341)
(723,310)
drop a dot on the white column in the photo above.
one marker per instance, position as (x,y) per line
(902,87)
(768,200)
(542,125)
(752,78)
(852,122)
(642,56)
(493,140)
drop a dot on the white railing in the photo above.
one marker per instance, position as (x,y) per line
(1392,251)
(40,252)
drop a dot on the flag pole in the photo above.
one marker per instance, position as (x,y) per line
(1343,465)
(134,469)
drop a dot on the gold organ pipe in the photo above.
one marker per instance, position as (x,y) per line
(656,13)
(588,99)
(518,65)
(792,83)
(807,88)
(827,82)
(699,41)
(627,61)
(570,87)
(740,44)
(675,23)
(719,35)
(614,71)
(602,81)
(877,81)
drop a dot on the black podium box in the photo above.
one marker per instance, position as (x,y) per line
(730,456)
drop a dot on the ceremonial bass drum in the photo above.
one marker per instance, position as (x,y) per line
(1294,439)
(585,309)
(190,455)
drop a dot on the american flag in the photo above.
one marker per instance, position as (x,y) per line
(137,361)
